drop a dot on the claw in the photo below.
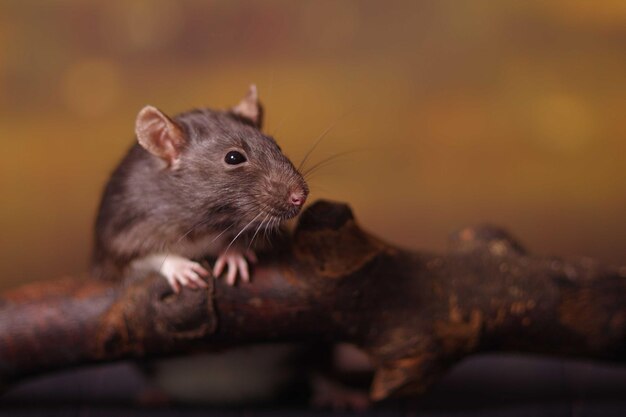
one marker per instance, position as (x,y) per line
(237,262)
(174,284)
(181,272)
(243,269)
(231,277)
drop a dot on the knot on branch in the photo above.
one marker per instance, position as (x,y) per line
(324,214)
(414,313)
(329,240)
(188,315)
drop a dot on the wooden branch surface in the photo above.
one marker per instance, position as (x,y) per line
(414,313)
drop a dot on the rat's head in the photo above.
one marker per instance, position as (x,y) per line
(221,167)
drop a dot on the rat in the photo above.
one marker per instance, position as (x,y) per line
(203,183)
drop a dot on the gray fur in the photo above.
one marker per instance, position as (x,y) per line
(147,207)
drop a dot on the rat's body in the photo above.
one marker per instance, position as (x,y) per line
(204,183)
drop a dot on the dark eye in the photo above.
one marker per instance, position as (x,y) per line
(234,158)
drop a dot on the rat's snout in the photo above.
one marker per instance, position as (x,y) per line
(286,197)
(298,197)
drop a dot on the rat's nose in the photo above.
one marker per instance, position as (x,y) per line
(297,198)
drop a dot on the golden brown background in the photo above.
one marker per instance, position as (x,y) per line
(510,112)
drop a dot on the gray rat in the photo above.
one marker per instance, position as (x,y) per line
(203,183)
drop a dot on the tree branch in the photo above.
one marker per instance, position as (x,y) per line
(415,314)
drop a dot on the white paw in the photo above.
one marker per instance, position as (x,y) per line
(181,272)
(236,262)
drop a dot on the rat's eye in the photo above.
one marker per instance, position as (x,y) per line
(234,158)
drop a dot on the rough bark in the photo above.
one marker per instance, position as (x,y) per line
(414,313)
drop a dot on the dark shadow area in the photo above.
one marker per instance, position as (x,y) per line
(494,385)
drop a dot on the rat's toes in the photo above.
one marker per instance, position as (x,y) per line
(235,263)
(181,272)
(190,283)
(243,269)
(174,284)
(219,266)
(231,277)
(194,280)
(200,270)
(182,279)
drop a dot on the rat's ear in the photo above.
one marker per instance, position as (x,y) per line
(159,135)
(249,108)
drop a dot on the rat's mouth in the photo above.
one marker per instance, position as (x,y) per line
(277,215)
(273,218)
(290,213)
(289,209)
(284,202)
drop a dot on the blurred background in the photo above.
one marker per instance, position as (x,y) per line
(458,112)
(455,113)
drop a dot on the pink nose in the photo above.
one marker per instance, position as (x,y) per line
(297,199)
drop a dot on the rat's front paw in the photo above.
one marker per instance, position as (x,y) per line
(181,272)
(236,261)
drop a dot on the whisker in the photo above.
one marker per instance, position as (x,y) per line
(181,238)
(242,230)
(317,142)
(265,229)
(326,161)
(268,231)
(315,187)
(257,230)
(319,139)
(276,225)
(224,231)
(278,126)
(191,229)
